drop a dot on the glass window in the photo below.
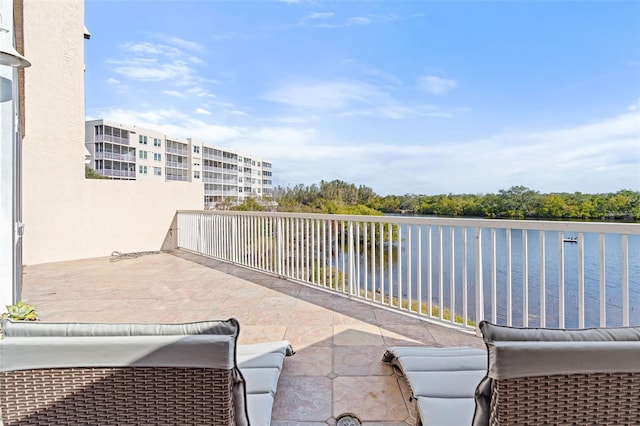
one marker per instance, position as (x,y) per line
(142,170)
(157,142)
(142,139)
(157,171)
(196,174)
(157,156)
(142,154)
(196,149)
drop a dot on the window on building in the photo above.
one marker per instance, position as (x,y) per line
(196,149)
(157,142)
(239,179)
(142,139)
(196,164)
(142,154)
(196,174)
(157,156)
(142,170)
(157,171)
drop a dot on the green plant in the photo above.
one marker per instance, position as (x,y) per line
(21,312)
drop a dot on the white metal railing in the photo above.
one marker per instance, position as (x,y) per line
(521,273)
(110,138)
(117,173)
(177,164)
(213,169)
(177,151)
(100,155)
(182,178)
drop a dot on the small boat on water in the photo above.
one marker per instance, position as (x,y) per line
(570,239)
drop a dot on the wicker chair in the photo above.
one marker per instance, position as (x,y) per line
(547,376)
(534,377)
(135,374)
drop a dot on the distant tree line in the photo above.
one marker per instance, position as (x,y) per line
(338,197)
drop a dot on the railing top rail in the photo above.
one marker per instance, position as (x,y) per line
(539,225)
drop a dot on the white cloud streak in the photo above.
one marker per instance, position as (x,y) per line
(348,98)
(436,85)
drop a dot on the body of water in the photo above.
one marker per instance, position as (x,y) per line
(556,259)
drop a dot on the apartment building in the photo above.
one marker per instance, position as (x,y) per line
(125,152)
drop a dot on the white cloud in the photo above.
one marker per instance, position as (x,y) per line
(359,20)
(113,81)
(174,93)
(597,157)
(199,92)
(174,123)
(323,95)
(182,43)
(152,70)
(436,85)
(319,15)
(349,98)
(225,36)
(202,111)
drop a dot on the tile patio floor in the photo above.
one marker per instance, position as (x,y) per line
(339,342)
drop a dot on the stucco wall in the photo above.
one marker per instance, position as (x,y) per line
(67,216)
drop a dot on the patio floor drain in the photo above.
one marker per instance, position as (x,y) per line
(348,420)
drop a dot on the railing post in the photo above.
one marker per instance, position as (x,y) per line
(234,238)
(625,280)
(479,282)
(280,245)
(352,266)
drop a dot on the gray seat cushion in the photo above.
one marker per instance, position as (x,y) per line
(442,380)
(446,411)
(261,364)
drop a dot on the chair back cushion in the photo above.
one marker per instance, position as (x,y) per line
(534,352)
(206,344)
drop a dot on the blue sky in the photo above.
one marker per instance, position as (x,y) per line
(422,97)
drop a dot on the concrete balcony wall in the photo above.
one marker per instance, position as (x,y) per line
(67,216)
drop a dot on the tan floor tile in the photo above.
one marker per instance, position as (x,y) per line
(408,335)
(411,403)
(354,316)
(302,398)
(302,336)
(357,335)
(376,398)
(276,303)
(259,334)
(385,317)
(267,317)
(311,316)
(311,361)
(360,361)
(448,337)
